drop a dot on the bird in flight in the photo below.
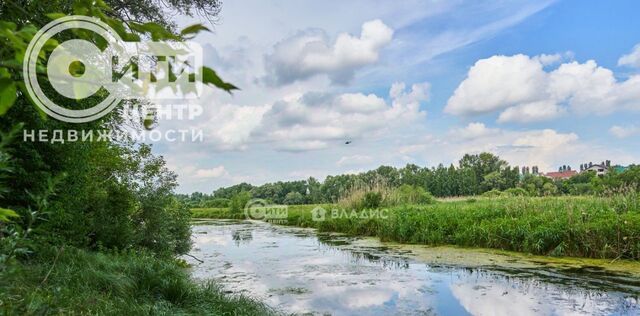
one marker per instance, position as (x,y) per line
(347,142)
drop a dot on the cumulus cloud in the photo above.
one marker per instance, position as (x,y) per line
(315,120)
(215,172)
(632,59)
(230,126)
(474,131)
(520,88)
(531,112)
(310,53)
(624,131)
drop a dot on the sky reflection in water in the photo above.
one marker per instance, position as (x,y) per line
(298,271)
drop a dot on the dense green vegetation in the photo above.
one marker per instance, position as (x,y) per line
(92,227)
(215,212)
(594,227)
(474,175)
(108,283)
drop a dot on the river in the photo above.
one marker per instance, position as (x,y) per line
(301,271)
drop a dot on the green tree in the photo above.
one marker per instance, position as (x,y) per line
(294,198)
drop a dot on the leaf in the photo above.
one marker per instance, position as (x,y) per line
(157,31)
(7,94)
(23,88)
(6,214)
(209,76)
(6,25)
(55,16)
(194,29)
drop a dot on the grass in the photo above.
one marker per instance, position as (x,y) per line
(215,212)
(87,283)
(590,227)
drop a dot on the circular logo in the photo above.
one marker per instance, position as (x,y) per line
(76,69)
(255,209)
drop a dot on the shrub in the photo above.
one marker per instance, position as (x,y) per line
(492,193)
(239,201)
(407,194)
(516,192)
(372,200)
(581,189)
(294,198)
(216,202)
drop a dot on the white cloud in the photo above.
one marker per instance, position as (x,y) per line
(545,148)
(531,112)
(624,131)
(354,160)
(358,102)
(474,131)
(215,172)
(315,120)
(520,87)
(496,83)
(229,126)
(632,59)
(309,53)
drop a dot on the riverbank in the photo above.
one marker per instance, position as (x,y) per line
(588,227)
(78,282)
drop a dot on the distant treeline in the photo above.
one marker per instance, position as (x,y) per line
(475,174)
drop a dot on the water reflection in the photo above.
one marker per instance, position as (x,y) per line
(299,271)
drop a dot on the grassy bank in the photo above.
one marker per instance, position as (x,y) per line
(84,283)
(559,226)
(215,212)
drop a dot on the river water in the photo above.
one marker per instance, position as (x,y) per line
(300,271)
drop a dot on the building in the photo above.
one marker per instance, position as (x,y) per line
(599,169)
(561,175)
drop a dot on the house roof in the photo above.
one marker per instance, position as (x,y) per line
(561,175)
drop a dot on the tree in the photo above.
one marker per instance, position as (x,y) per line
(294,198)
(112,194)
(239,202)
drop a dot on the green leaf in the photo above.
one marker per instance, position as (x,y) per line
(209,76)
(6,214)
(6,25)
(23,88)
(7,94)
(4,73)
(55,16)
(194,29)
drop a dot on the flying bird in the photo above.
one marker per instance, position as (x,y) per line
(347,142)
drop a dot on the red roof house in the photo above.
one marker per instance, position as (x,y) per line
(561,175)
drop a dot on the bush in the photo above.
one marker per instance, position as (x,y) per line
(216,202)
(239,201)
(581,189)
(407,194)
(493,193)
(516,192)
(294,198)
(115,283)
(371,200)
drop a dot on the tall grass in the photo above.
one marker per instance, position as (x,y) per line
(595,227)
(84,283)
(215,212)
(379,193)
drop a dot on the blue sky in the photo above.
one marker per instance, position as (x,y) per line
(538,82)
